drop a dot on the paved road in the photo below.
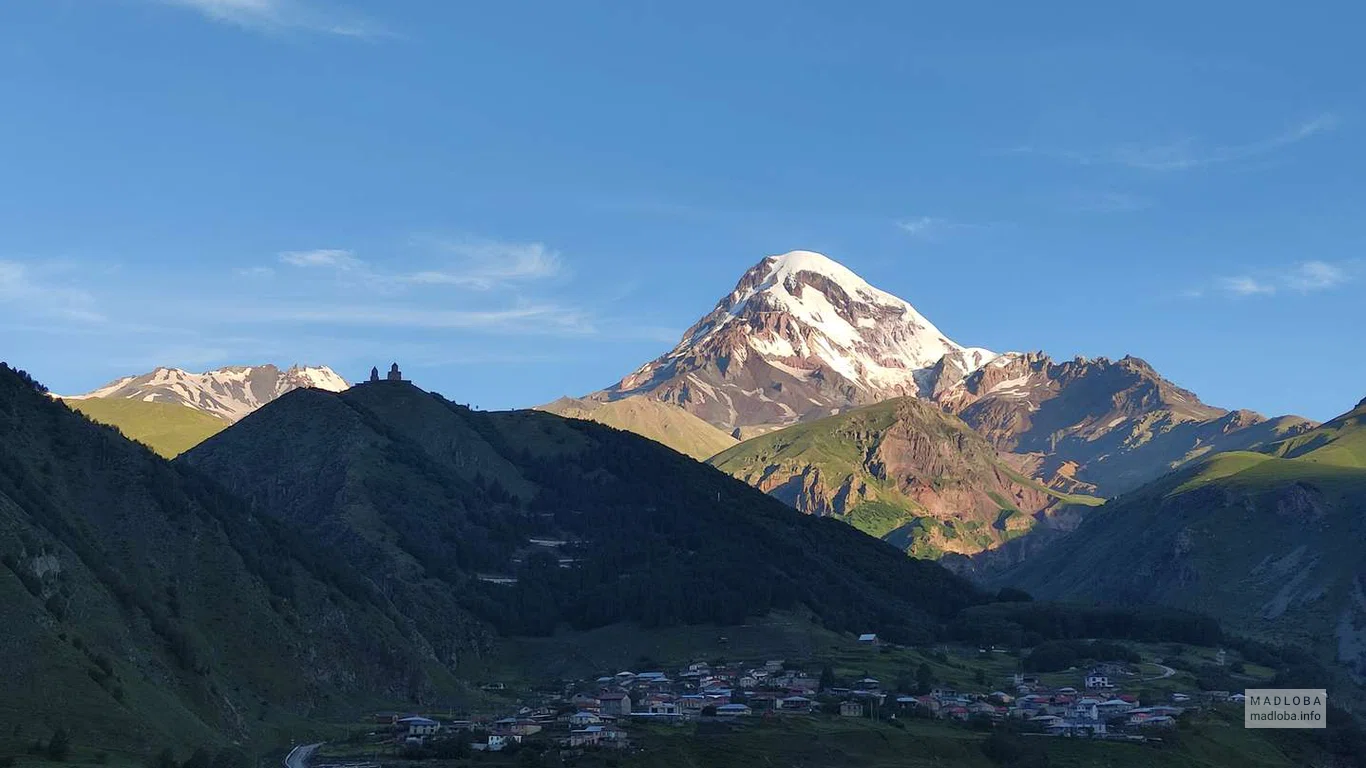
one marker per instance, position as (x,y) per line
(300,755)
(1166,672)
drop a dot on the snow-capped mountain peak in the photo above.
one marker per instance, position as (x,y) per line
(318,377)
(229,393)
(800,336)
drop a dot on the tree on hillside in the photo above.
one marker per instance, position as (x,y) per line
(924,678)
(827,677)
(59,747)
(1013,595)
(164,759)
(200,759)
(1008,749)
(231,757)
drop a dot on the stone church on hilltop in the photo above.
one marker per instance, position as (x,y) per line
(393,375)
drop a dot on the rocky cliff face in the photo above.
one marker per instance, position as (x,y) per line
(1099,426)
(902,470)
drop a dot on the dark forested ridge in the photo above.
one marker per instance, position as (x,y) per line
(144,606)
(431,495)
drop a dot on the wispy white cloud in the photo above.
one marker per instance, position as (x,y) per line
(1304,277)
(1243,285)
(1107,202)
(522,319)
(922,226)
(26,291)
(472,264)
(1316,276)
(333,258)
(280,15)
(484,264)
(1187,153)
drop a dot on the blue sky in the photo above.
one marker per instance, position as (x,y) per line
(521,200)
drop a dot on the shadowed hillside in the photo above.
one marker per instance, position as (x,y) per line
(529,520)
(146,607)
(1270,545)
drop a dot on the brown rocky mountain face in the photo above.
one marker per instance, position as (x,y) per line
(1099,426)
(902,470)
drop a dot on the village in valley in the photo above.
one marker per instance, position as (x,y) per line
(1101,701)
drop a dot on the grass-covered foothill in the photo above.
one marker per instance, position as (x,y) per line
(902,470)
(170,429)
(659,421)
(1267,542)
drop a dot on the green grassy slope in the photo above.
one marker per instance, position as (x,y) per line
(1270,545)
(902,470)
(166,428)
(662,422)
(1341,441)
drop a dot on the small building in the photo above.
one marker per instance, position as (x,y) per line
(584,701)
(1097,681)
(587,736)
(615,703)
(868,638)
(733,710)
(851,709)
(394,375)
(795,704)
(582,719)
(417,727)
(869,684)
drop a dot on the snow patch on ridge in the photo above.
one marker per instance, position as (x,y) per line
(229,393)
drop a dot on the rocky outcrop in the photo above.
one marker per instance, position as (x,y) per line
(902,470)
(1100,426)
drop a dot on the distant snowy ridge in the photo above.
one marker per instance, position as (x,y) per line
(229,393)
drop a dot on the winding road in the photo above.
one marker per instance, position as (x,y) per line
(300,755)
(1166,672)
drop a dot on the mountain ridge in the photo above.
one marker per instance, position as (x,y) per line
(126,584)
(229,393)
(902,470)
(441,503)
(1267,541)
(661,422)
(801,337)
